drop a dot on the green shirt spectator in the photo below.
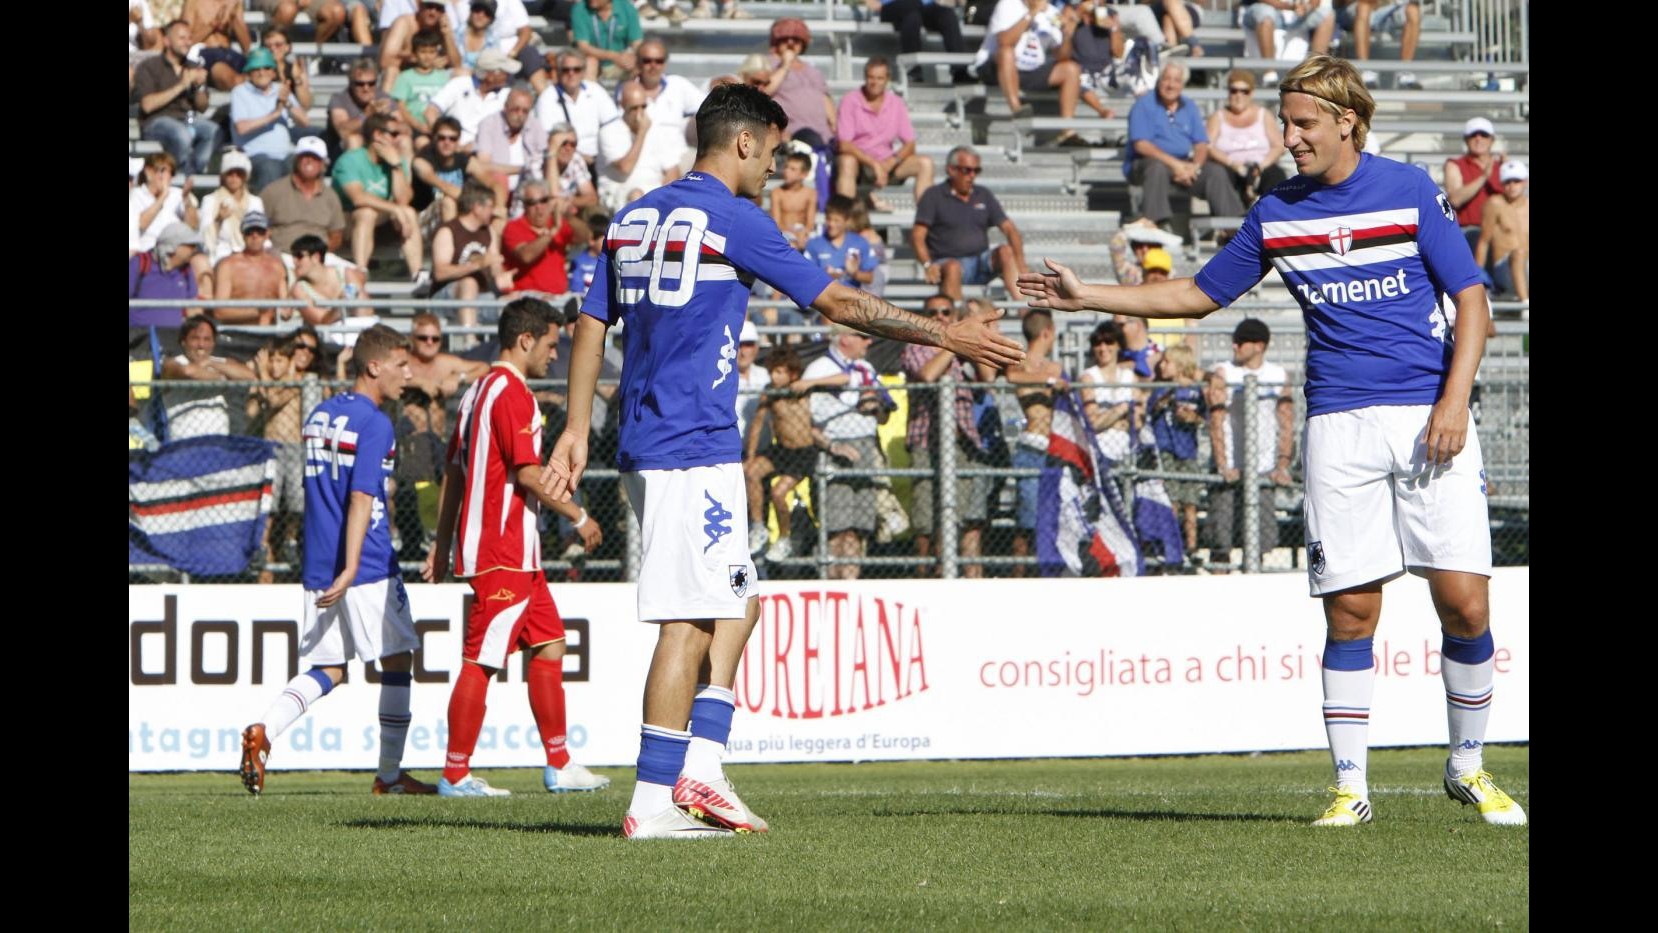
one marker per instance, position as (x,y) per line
(360,165)
(414,89)
(614,34)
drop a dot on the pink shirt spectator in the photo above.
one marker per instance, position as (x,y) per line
(873,131)
(802,96)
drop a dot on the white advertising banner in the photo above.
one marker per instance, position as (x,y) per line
(843,671)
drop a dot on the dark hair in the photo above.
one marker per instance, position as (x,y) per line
(840,204)
(784,357)
(426,39)
(377,123)
(191,323)
(274,30)
(877,60)
(1037,320)
(1109,331)
(473,193)
(731,108)
(799,158)
(415,398)
(177,22)
(374,345)
(306,330)
(309,245)
(446,123)
(526,316)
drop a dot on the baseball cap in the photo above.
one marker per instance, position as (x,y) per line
(1514,170)
(1251,330)
(1158,258)
(791,28)
(486,4)
(255,220)
(496,60)
(1478,125)
(176,235)
(312,146)
(750,334)
(235,160)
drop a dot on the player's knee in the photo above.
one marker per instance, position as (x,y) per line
(552,651)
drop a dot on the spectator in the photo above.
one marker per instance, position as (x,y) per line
(252,273)
(567,171)
(1169,144)
(262,115)
(1179,21)
(221,212)
(440,170)
(586,262)
(155,203)
(1245,140)
(607,34)
(1035,381)
(320,276)
(1106,396)
(407,20)
(842,254)
(512,145)
(348,109)
(876,262)
(909,16)
(799,88)
(163,272)
(793,204)
(580,103)
(849,418)
(1175,413)
(1473,177)
(949,233)
(673,100)
(870,119)
(1021,53)
(472,97)
(792,456)
(505,26)
(144,38)
(416,85)
(214,25)
(751,379)
(303,203)
(466,254)
(1362,17)
(373,183)
(170,92)
(292,72)
(1112,62)
(276,412)
(636,156)
(438,374)
(195,412)
(1228,406)
(1264,17)
(535,244)
(327,16)
(1131,242)
(1138,349)
(1504,248)
(924,365)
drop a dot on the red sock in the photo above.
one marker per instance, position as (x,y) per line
(466,720)
(547,703)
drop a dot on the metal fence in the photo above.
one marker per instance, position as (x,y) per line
(960,510)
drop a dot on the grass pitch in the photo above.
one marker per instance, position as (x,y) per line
(1170,843)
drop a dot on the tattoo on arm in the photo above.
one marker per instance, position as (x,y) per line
(872,315)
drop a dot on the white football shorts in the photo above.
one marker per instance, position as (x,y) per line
(372,621)
(693,523)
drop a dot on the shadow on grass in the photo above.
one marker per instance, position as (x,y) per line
(1103,813)
(404,822)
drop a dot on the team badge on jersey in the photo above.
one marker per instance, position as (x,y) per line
(1446,208)
(1315,556)
(739,579)
(1341,240)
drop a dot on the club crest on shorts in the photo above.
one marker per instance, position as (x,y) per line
(739,579)
(1315,556)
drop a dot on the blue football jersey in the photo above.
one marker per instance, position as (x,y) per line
(349,447)
(678,265)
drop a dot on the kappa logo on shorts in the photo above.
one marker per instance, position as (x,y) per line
(1315,556)
(719,521)
(502,595)
(739,579)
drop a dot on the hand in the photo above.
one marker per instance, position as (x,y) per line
(387,152)
(437,564)
(882,173)
(1185,174)
(1058,289)
(157,183)
(1447,432)
(224,210)
(196,76)
(1281,477)
(1230,475)
(333,594)
(380,105)
(562,474)
(844,451)
(933,273)
(591,534)
(628,61)
(851,263)
(787,56)
(977,338)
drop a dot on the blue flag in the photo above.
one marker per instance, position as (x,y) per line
(199,505)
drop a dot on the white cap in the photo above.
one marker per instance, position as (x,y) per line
(750,334)
(496,60)
(1513,170)
(312,146)
(233,160)
(1478,125)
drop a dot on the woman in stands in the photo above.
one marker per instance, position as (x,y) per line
(1244,139)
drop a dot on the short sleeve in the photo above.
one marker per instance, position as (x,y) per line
(994,215)
(1445,253)
(926,211)
(1238,266)
(374,445)
(770,257)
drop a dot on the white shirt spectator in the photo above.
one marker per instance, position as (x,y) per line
(225,237)
(837,412)
(676,105)
(585,113)
(1032,51)
(664,147)
(138,202)
(460,99)
(571,179)
(1271,378)
(510,16)
(390,10)
(757,379)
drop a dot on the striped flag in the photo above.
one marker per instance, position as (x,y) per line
(1082,528)
(199,505)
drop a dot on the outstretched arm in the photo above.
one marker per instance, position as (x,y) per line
(975,338)
(1059,289)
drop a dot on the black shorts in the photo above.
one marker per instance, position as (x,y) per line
(1036,80)
(791,461)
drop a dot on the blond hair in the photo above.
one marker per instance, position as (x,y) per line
(1337,87)
(1183,359)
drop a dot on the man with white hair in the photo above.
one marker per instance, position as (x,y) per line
(513,142)
(1168,143)
(471,98)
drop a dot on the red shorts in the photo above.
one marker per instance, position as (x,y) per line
(511,609)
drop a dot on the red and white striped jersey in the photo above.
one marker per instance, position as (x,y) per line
(497,430)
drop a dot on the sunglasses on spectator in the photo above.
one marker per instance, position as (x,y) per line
(567,144)
(1479,133)
(653,61)
(536,202)
(308,347)
(965,169)
(447,138)
(936,312)
(570,71)
(428,338)
(1238,90)
(364,83)
(1102,343)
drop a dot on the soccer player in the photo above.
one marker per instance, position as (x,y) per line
(677,267)
(1394,476)
(491,496)
(354,598)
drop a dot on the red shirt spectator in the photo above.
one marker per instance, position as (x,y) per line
(535,244)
